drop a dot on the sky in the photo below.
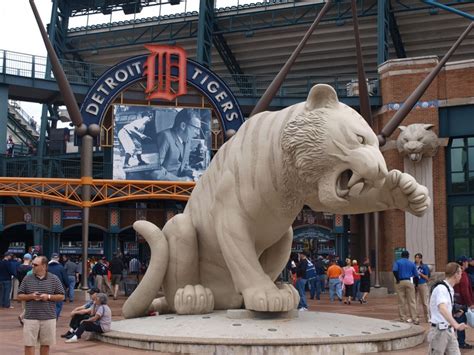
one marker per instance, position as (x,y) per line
(20,33)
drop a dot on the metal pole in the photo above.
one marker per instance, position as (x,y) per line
(86,172)
(376,237)
(363,92)
(63,83)
(271,91)
(367,233)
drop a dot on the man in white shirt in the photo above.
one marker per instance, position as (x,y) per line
(442,337)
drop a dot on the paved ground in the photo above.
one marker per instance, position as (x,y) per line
(11,331)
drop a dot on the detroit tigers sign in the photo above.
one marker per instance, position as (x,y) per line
(167,72)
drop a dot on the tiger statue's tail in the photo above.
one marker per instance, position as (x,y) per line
(140,300)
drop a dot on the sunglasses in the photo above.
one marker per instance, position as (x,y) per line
(36,264)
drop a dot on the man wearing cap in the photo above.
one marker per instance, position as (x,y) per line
(40,290)
(464,298)
(131,136)
(406,275)
(174,145)
(78,314)
(6,273)
(57,269)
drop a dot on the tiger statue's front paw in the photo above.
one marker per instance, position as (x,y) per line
(271,298)
(194,300)
(407,194)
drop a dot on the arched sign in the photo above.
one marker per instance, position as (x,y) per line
(134,69)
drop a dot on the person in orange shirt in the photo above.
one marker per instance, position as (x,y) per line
(335,285)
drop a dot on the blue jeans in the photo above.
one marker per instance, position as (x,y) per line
(5,291)
(322,281)
(300,286)
(312,287)
(316,287)
(59,308)
(356,290)
(72,283)
(90,281)
(335,287)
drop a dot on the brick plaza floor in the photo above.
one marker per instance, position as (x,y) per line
(11,331)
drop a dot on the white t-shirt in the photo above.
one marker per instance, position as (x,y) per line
(440,295)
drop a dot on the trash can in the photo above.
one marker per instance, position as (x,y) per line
(129,286)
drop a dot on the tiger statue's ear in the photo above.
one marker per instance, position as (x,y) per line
(321,95)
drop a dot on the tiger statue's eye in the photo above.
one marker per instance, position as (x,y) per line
(360,139)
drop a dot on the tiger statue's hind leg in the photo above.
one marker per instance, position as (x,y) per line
(183,291)
(237,243)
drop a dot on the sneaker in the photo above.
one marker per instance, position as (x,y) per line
(465,346)
(141,162)
(20,320)
(70,335)
(302,309)
(409,320)
(73,339)
(67,335)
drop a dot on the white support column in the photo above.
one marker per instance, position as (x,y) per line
(419,231)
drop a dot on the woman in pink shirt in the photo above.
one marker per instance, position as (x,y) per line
(348,280)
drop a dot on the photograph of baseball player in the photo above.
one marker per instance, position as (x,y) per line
(160,143)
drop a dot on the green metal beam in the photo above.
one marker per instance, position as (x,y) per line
(204,34)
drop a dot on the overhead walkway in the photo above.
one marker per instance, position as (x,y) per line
(68,191)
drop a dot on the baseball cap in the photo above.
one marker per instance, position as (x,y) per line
(93,290)
(27,256)
(54,256)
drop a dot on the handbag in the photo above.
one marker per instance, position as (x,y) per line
(470,317)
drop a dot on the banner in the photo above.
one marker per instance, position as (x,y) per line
(165,144)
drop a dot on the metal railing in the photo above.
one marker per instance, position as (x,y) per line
(28,166)
(32,66)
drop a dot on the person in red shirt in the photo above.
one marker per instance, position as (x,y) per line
(463,296)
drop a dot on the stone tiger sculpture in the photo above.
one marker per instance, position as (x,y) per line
(417,141)
(234,237)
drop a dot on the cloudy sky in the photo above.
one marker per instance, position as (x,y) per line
(19,31)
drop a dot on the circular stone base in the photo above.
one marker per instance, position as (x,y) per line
(310,333)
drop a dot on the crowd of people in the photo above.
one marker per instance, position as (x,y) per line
(42,286)
(347,281)
(444,306)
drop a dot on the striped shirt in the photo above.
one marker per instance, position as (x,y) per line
(41,310)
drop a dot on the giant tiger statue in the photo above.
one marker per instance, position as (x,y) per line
(234,237)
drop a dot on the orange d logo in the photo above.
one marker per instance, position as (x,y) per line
(161,61)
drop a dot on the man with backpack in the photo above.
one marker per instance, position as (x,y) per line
(442,337)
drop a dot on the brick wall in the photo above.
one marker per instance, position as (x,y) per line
(453,86)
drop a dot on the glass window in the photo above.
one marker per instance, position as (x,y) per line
(471,181)
(472,217)
(457,142)
(458,183)
(460,217)
(461,247)
(458,159)
(471,158)
(470,141)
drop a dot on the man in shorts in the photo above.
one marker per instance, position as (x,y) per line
(40,290)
